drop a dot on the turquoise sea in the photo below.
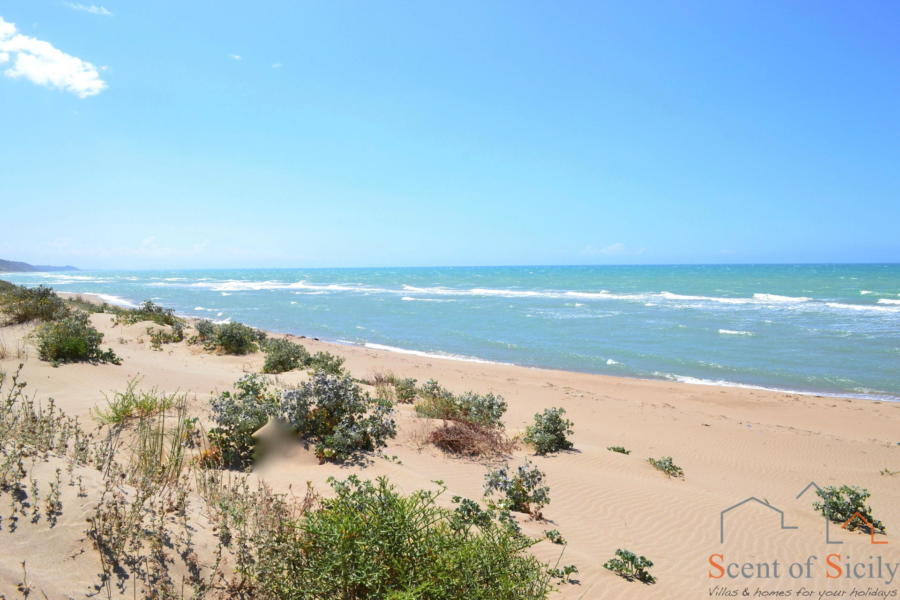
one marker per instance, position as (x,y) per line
(830,329)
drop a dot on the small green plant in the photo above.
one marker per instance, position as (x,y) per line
(629,565)
(237,415)
(565,573)
(619,449)
(72,339)
(522,491)
(171,335)
(393,388)
(21,304)
(888,473)
(340,419)
(846,504)
(325,362)
(283,355)
(148,311)
(555,536)
(549,431)
(666,465)
(206,331)
(135,404)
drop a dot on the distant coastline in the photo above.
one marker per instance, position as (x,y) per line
(12,266)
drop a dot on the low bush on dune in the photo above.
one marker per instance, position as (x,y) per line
(20,304)
(330,412)
(148,311)
(228,338)
(371,542)
(632,567)
(618,449)
(439,403)
(326,362)
(666,465)
(549,431)
(522,490)
(72,339)
(340,419)
(393,388)
(840,504)
(237,414)
(283,355)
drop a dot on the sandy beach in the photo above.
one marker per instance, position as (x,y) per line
(732,443)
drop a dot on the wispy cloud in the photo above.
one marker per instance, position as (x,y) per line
(43,64)
(235,57)
(276,65)
(94,9)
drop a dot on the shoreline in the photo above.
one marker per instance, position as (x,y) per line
(382,348)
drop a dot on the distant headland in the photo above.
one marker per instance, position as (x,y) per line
(11,266)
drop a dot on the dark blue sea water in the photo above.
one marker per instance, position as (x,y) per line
(814,328)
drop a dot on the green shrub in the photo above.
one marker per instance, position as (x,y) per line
(666,465)
(372,543)
(237,415)
(523,491)
(72,339)
(549,431)
(396,389)
(338,417)
(630,566)
(236,338)
(158,337)
(619,449)
(148,311)
(839,504)
(206,330)
(438,403)
(135,404)
(21,304)
(325,362)
(283,355)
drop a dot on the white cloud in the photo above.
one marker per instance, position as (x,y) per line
(276,65)
(235,57)
(42,63)
(94,9)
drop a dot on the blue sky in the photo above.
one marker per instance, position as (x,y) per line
(224,134)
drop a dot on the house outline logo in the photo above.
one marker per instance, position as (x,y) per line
(811,484)
(743,502)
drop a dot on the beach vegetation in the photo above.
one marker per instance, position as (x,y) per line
(72,339)
(618,449)
(238,414)
(550,431)
(846,504)
(666,465)
(148,311)
(325,362)
(228,338)
(370,542)
(555,537)
(134,403)
(464,438)
(396,389)
(523,490)
(437,402)
(632,567)
(20,304)
(334,414)
(565,572)
(206,331)
(283,355)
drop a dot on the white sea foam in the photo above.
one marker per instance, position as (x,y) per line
(116,300)
(442,355)
(734,332)
(611,362)
(866,292)
(888,301)
(863,307)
